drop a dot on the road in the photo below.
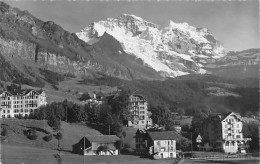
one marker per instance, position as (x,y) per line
(242,161)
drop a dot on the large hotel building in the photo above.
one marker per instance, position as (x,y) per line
(21,102)
(139,110)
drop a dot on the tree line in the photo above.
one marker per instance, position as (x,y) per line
(109,116)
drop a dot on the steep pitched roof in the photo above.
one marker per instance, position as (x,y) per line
(102,138)
(165,135)
(228,114)
(199,137)
(222,116)
(100,94)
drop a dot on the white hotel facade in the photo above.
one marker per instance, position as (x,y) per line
(139,109)
(21,103)
(224,133)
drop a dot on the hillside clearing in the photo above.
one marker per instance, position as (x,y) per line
(72,133)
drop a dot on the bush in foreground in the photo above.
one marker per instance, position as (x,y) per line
(31,134)
(4,132)
(48,138)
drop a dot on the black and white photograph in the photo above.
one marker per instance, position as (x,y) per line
(129,81)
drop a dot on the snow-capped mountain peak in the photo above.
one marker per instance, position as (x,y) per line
(174,50)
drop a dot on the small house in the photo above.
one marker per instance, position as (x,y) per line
(96,145)
(159,144)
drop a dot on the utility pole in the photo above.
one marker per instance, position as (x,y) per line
(109,129)
(44,118)
(66,114)
(84,151)
(191,145)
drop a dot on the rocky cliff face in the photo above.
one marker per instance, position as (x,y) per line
(172,51)
(25,39)
(242,64)
(246,57)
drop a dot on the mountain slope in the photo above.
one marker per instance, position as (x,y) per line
(175,50)
(28,43)
(241,64)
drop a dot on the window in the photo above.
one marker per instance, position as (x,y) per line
(8,111)
(158,143)
(238,136)
(163,149)
(226,126)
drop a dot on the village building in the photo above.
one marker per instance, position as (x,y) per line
(138,107)
(98,98)
(96,145)
(95,99)
(21,102)
(160,144)
(224,133)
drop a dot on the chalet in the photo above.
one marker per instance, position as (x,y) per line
(96,145)
(161,144)
(223,132)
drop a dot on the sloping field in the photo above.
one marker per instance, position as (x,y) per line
(72,133)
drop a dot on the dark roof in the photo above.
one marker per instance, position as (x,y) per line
(221,116)
(100,94)
(22,92)
(227,114)
(164,135)
(102,138)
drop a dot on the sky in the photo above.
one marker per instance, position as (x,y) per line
(234,23)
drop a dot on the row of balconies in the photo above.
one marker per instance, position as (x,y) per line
(164,149)
(24,111)
(15,98)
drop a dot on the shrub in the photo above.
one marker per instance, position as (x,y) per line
(20,116)
(4,132)
(26,116)
(59,136)
(55,87)
(69,75)
(48,138)
(126,145)
(31,134)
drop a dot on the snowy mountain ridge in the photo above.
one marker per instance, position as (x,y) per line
(175,50)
